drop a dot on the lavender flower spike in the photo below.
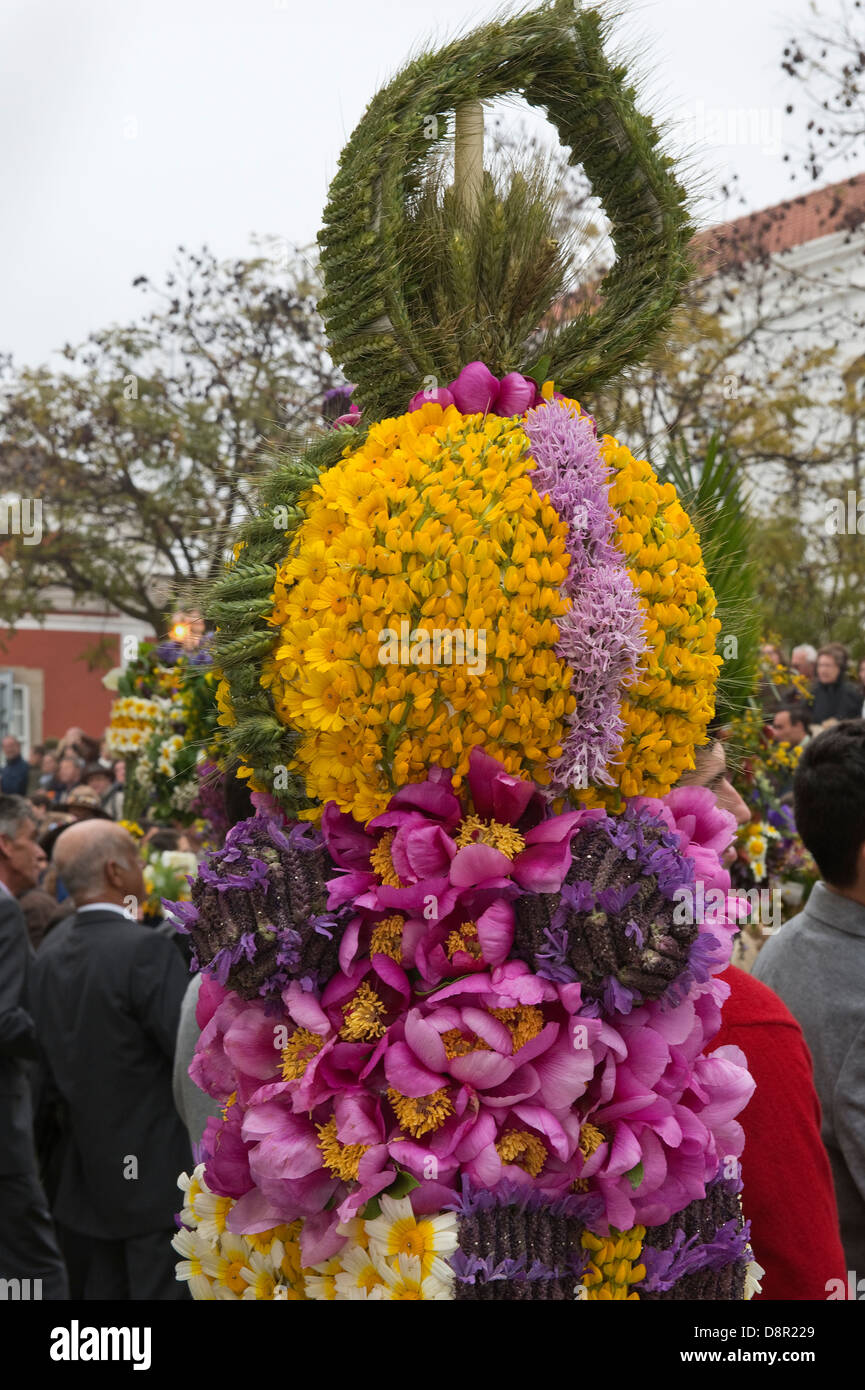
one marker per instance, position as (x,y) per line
(601,636)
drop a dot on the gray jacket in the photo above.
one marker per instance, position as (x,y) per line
(816,962)
(193,1106)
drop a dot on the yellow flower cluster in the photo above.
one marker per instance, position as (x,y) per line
(614,1264)
(417,612)
(225,717)
(667,709)
(784,756)
(132,722)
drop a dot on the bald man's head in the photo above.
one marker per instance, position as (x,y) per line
(98,862)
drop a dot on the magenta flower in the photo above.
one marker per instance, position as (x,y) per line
(501,1076)
(285,1161)
(667,1119)
(226,1156)
(477,392)
(448,879)
(498,1061)
(440,395)
(213,1069)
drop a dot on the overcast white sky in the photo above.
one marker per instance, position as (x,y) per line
(128,128)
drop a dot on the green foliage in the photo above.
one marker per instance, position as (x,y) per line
(710,490)
(476,291)
(555,58)
(145,449)
(238,603)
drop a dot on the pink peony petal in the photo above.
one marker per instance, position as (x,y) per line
(481,1069)
(319,1237)
(253,1212)
(428,853)
(347,842)
(406,1074)
(475,389)
(496,932)
(473,864)
(542,868)
(433,799)
(440,396)
(425,1041)
(516,394)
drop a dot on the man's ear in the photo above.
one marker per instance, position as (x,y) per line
(5,846)
(113,873)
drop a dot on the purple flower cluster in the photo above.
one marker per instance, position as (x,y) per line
(586,1207)
(612,925)
(691,1254)
(258,916)
(483,1269)
(601,636)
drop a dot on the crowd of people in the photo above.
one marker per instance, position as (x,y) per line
(811,691)
(99,1022)
(91,987)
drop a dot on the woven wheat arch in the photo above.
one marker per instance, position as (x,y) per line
(554,58)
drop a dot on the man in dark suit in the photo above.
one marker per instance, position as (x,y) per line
(106,996)
(28,1245)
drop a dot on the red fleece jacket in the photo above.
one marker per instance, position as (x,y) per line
(788,1194)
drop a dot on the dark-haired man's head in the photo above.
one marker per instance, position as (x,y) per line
(829,804)
(790,724)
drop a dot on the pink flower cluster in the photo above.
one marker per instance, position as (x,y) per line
(432,1056)
(476,391)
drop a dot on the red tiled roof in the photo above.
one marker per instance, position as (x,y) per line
(837,208)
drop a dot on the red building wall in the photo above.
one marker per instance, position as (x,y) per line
(74,694)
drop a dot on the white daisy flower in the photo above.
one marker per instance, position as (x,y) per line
(359,1278)
(320,1281)
(399,1232)
(224,1265)
(212,1211)
(194,1250)
(191,1187)
(408,1283)
(753,1274)
(259,1277)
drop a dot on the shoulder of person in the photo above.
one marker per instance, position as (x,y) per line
(777,945)
(11,916)
(753,1003)
(151,942)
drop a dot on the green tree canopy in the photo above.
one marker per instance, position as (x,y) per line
(144,450)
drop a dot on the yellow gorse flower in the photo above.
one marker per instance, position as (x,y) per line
(432,523)
(667,709)
(614,1264)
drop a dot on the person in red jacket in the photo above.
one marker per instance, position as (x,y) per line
(788,1194)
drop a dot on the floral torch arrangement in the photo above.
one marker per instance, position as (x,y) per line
(770,855)
(458,990)
(458,1029)
(162,724)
